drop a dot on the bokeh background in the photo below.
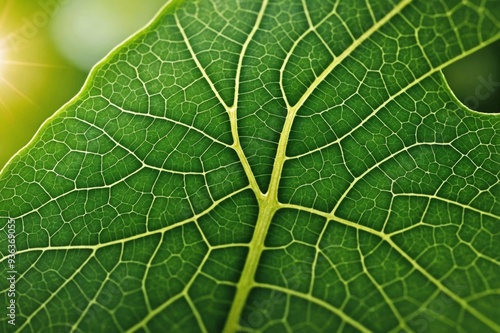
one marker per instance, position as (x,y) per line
(47,48)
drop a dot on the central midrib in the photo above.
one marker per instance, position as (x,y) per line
(267,208)
(268,205)
(268,202)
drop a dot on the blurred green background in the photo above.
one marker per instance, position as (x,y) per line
(47,48)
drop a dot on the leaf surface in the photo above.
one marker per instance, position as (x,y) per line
(265,166)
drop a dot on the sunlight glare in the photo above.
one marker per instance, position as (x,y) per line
(2,59)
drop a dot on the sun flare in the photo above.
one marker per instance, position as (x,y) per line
(1,53)
(34,78)
(16,75)
(2,59)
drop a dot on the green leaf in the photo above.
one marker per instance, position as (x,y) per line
(265,166)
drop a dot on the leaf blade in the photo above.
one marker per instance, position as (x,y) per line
(274,191)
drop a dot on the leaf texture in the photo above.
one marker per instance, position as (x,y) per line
(274,166)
